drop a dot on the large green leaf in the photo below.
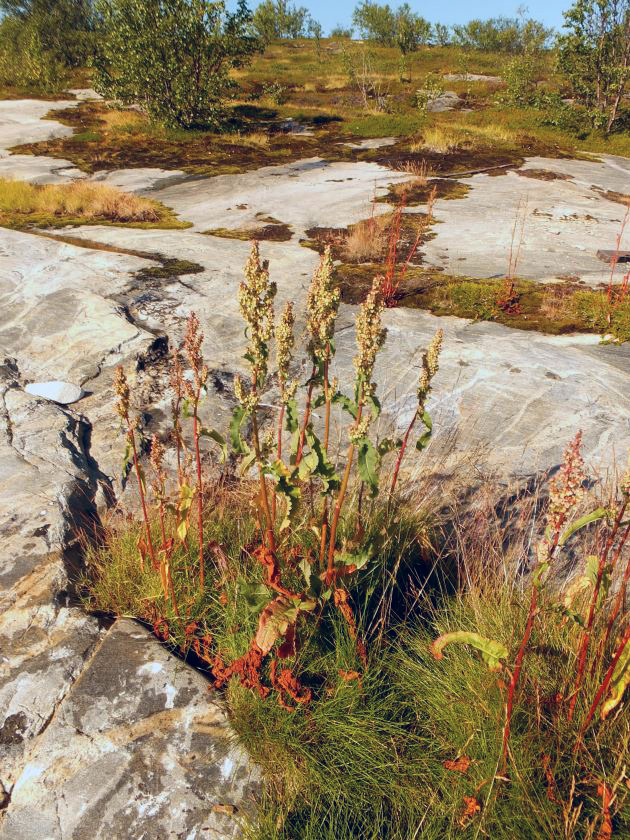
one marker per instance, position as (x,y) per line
(217,438)
(369,462)
(619,683)
(423,440)
(346,403)
(286,485)
(491,651)
(594,516)
(238,418)
(255,595)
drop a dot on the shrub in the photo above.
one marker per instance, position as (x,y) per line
(389,27)
(594,56)
(181,57)
(24,62)
(276,19)
(502,34)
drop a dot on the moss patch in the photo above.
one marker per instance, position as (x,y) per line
(268,233)
(418,192)
(543,175)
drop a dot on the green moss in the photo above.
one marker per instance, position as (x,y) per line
(269,233)
(24,221)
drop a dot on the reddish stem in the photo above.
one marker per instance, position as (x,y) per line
(622,591)
(202,576)
(307,414)
(402,451)
(517,669)
(339,505)
(604,686)
(586,636)
(279,452)
(145,514)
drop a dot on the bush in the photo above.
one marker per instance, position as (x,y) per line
(391,27)
(594,57)
(276,19)
(24,63)
(502,34)
(64,29)
(340,31)
(173,57)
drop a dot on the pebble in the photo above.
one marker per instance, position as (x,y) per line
(56,391)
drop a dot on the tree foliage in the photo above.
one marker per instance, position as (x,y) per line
(173,56)
(41,39)
(503,34)
(276,19)
(594,56)
(390,27)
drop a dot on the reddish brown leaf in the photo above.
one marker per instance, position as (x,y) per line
(459,765)
(471,806)
(287,648)
(605,831)
(349,676)
(551,782)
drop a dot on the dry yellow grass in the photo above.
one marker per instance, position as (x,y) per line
(367,239)
(80,199)
(441,139)
(254,138)
(123,120)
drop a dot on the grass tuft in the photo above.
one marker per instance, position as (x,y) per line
(80,202)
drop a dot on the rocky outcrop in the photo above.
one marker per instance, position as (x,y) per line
(102,732)
(138,749)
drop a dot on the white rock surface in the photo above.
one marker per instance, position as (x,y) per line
(64,393)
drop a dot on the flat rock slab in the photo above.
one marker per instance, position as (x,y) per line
(138,750)
(471,77)
(64,393)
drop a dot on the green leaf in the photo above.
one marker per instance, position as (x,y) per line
(287,487)
(324,468)
(369,462)
(127,459)
(423,440)
(238,418)
(346,403)
(491,651)
(388,445)
(594,516)
(291,418)
(619,682)
(375,406)
(187,410)
(217,438)
(255,595)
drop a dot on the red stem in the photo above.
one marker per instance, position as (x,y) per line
(202,576)
(307,413)
(604,686)
(403,447)
(517,670)
(132,439)
(586,636)
(622,590)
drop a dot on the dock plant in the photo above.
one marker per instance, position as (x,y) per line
(398,665)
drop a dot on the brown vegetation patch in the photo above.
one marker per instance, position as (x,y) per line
(611,195)
(269,233)
(417,192)
(544,175)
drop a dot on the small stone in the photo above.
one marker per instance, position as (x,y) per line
(56,391)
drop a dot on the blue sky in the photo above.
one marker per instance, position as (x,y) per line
(331,12)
